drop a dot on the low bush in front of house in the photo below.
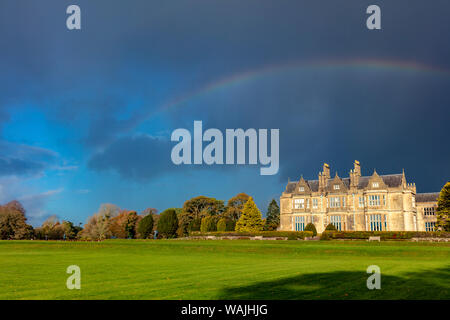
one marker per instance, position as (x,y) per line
(290,235)
(311,227)
(384,235)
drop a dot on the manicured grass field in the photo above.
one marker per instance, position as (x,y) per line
(239,269)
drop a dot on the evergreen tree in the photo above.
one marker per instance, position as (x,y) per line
(168,224)
(145,227)
(443,210)
(272,216)
(251,219)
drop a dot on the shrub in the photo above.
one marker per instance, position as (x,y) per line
(325,235)
(225,224)
(311,227)
(384,235)
(168,224)
(208,224)
(291,235)
(145,226)
(330,227)
(222,224)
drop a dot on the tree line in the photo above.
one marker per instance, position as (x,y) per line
(197,214)
(201,213)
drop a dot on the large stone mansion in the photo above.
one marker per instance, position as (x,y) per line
(357,203)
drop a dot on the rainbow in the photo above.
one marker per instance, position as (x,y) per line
(360,64)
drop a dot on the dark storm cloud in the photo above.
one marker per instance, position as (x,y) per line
(388,119)
(17,159)
(157,50)
(107,117)
(139,157)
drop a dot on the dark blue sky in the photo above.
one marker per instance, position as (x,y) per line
(86,116)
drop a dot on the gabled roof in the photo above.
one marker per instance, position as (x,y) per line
(427,197)
(391,180)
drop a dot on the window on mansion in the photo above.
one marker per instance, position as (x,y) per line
(430,226)
(336,187)
(336,221)
(429,211)
(361,202)
(299,223)
(376,223)
(375,185)
(299,203)
(374,200)
(335,202)
(315,203)
(301,189)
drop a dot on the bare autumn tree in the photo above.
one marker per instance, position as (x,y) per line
(97,227)
(15,205)
(13,222)
(53,229)
(125,224)
(148,211)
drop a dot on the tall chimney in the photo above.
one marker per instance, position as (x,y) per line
(355,174)
(357,168)
(326,170)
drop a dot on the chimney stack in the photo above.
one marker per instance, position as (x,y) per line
(355,174)
(357,168)
(326,170)
(323,177)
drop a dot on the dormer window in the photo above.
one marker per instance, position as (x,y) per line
(301,189)
(336,187)
(375,185)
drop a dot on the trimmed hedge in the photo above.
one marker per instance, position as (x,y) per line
(311,227)
(384,235)
(291,235)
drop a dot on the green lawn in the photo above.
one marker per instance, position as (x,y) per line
(240,269)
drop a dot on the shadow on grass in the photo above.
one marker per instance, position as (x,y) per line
(430,284)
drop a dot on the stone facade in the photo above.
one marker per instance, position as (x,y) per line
(357,203)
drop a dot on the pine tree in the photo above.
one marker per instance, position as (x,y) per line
(251,219)
(272,216)
(443,210)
